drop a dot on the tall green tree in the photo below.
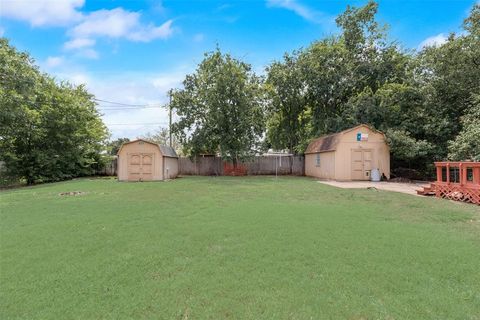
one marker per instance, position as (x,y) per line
(288,120)
(339,69)
(449,77)
(48,131)
(466,145)
(425,102)
(398,110)
(335,70)
(220,108)
(328,83)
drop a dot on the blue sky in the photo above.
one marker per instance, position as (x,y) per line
(134,51)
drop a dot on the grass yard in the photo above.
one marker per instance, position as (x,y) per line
(235,248)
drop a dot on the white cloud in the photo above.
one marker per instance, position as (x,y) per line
(165,82)
(435,41)
(79,43)
(88,53)
(53,62)
(85,28)
(137,89)
(76,78)
(82,47)
(119,23)
(299,9)
(43,12)
(113,23)
(198,37)
(150,32)
(116,23)
(130,88)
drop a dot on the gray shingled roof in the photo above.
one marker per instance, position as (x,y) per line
(168,151)
(325,143)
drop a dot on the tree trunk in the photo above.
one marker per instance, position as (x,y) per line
(30,179)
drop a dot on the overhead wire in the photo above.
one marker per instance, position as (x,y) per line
(15,78)
(114,107)
(121,104)
(137,124)
(128,108)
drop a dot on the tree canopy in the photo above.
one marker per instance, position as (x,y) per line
(426,102)
(48,130)
(221,108)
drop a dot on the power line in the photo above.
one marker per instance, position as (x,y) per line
(124,104)
(136,124)
(114,107)
(127,108)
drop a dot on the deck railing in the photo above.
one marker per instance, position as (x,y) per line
(458,181)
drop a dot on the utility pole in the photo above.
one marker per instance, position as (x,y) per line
(170,118)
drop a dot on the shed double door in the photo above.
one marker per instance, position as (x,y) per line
(361,164)
(140,166)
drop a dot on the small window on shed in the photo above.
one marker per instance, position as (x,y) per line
(317,160)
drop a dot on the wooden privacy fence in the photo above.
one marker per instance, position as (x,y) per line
(110,169)
(215,166)
(260,165)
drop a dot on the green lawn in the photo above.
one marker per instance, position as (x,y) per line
(235,248)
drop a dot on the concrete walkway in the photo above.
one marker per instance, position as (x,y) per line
(409,188)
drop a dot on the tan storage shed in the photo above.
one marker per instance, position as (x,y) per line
(142,160)
(348,155)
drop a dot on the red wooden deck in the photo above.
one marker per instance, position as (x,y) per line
(458,181)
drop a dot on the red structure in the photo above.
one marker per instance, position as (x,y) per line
(458,181)
(231,170)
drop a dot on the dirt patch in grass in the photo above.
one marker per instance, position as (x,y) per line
(72,193)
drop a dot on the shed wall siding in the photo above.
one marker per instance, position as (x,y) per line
(170,168)
(376,143)
(338,164)
(130,148)
(326,170)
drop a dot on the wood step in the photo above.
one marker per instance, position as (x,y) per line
(427,191)
(422,193)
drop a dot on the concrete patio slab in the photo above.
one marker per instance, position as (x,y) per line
(409,188)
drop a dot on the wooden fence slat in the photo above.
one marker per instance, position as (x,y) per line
(261,165)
